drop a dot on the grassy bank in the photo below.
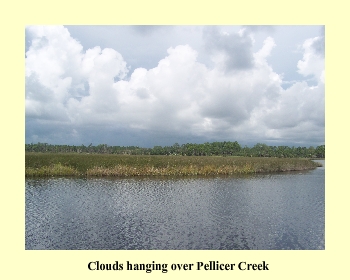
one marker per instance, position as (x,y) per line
(51,164)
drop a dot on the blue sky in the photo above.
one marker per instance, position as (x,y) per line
(157,85)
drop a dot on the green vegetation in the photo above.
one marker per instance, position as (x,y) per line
(82,164)
(205,149)
(52,170)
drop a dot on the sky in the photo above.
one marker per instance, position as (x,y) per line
(159,85)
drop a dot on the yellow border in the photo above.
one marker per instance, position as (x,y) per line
(21,264)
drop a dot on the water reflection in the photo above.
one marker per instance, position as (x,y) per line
(273,211)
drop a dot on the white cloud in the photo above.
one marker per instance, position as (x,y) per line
(57,71)
(313,59)
(238,98)
(230,52)
(265,51)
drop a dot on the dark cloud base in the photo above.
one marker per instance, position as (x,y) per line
(63,134)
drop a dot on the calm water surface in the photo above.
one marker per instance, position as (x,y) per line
(271,211)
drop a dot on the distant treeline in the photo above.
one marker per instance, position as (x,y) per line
(206,149)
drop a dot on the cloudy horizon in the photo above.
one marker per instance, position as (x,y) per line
(159,85)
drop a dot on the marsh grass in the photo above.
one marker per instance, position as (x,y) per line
(50,164)
(52,170)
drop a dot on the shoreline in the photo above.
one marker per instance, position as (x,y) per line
(101,165)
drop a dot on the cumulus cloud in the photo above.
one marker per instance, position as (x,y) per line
(312,63)
(77,94)
(229,51)
(59,74)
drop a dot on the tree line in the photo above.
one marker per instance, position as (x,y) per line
(206,149)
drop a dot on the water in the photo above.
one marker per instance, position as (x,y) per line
(270,212)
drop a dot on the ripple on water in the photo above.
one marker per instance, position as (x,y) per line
(274,211)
